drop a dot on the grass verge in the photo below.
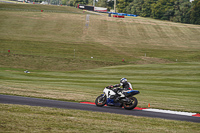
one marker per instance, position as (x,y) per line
(165,86)
(17,118)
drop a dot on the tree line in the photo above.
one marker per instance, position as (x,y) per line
(182,11)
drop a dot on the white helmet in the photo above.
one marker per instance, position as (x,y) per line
(123,80)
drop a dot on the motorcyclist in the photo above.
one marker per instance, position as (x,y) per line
(126,86)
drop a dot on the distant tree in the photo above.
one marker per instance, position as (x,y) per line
(157,10)
(163,9)
(76,2)
(111,4)
(168,15)
(185,8)
(102,3)
(122,4)
(177,16)
(68,2)
(146,8)
(129,7)
(135,7)
(181,11)
(195,12)
(90,2)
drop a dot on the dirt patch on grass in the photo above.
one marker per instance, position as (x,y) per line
(51,63)
(152,60)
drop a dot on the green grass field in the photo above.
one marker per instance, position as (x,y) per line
(161,61)
(166,86)
(17,118)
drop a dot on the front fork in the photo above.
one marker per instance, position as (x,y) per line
(102,96)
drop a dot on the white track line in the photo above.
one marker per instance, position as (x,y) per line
(170,112)
(159,110)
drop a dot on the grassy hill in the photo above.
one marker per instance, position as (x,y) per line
(60,41)
(49,39)
(161,61)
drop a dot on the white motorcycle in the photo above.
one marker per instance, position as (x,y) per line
(111,97)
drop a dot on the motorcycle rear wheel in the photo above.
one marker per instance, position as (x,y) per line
(132,104)
(100,101)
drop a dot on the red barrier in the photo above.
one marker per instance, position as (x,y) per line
(116,16)
(120,16)
(41,10)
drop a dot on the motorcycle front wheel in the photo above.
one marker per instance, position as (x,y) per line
(100,101)
(132,104)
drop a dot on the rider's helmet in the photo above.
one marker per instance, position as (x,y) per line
(123,81)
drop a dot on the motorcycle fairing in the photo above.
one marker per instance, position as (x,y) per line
(131,93)
(109,92)
(111,102)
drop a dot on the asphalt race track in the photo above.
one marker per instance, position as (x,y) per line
(7,99)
